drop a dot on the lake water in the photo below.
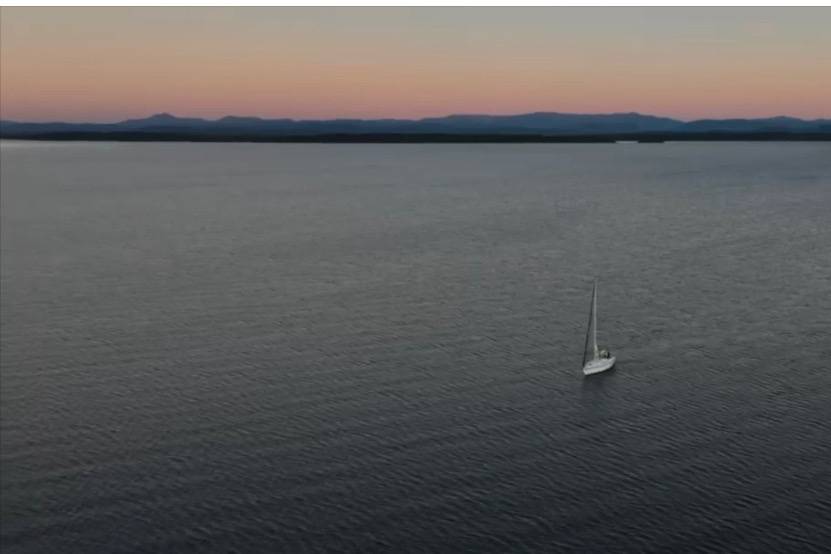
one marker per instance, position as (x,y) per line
(313,348)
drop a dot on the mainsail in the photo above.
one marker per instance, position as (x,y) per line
(590,351)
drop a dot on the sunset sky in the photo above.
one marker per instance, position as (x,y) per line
(107,64)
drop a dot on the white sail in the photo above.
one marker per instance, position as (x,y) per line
(594,320)
(590,350)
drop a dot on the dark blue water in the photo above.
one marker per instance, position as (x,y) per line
(314,348)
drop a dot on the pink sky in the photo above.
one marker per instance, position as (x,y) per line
(106,64)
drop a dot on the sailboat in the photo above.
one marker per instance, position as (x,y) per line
(595,359)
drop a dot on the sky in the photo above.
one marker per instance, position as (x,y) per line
(109,64)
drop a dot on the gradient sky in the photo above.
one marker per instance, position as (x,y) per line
(107,64)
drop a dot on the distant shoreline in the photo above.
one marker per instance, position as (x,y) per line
(418,138)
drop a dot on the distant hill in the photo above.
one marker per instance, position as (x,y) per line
(538,124)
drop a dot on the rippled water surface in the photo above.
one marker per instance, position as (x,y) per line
(310,348)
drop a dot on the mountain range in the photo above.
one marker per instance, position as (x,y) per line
(531,124)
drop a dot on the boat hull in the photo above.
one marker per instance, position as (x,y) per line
(598,366)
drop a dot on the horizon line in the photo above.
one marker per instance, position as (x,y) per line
(394,118)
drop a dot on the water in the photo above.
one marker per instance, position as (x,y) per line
(311,348)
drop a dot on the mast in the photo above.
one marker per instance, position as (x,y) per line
(594,319)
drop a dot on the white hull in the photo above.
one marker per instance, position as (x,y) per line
(598,365)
